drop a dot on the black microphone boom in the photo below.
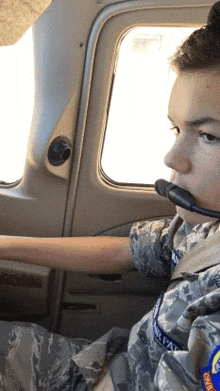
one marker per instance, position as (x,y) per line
(182,198)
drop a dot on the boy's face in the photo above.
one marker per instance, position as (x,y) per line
(194,110)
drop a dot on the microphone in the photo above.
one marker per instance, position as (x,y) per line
(182,198)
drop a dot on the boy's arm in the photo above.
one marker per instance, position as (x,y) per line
(103,254)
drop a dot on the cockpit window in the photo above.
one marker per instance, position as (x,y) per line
(16,105)
(137,127)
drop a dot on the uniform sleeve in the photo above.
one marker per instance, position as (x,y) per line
(147,239)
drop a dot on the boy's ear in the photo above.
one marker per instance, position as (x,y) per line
(16,16)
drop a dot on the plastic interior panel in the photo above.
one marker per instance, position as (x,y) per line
(24,288)
(106,311)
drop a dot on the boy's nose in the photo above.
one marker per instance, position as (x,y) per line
(177,158)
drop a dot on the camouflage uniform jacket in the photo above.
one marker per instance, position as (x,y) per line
(177,345)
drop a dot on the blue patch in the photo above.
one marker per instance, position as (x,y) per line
(210,375)
(175,257)
(217,281)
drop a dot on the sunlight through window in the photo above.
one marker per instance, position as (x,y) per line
(137,133)
(16,102)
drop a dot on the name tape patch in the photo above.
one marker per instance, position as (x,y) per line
(164,339)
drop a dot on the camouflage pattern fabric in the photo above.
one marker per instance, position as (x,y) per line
(33,359)
(169,351)
(149,239)
(171,347)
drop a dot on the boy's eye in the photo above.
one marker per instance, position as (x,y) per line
(209,137)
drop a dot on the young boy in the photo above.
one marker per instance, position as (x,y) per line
(177,345)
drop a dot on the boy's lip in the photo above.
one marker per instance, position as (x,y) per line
(177,182)
(179,185)
(174,180)
(183,187)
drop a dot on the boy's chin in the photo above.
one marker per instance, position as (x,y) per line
(192,218)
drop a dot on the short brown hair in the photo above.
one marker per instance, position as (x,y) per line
(201,50)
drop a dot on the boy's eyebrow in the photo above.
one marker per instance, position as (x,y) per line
(200,121)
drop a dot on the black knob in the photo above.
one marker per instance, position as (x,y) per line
(59,151)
